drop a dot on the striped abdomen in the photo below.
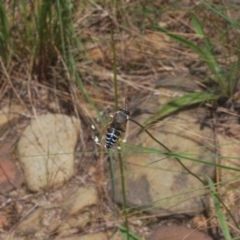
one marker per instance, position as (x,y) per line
(111,137)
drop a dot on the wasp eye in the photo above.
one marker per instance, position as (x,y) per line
(124,110)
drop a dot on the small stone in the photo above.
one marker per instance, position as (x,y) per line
(200,222)
(72,224)
(177,233)
(10,176)
(4,221)
(9,113)
(31,224)
(83,197)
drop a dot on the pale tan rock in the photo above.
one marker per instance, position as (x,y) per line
(83,197)
(74,223)
(9,113)
(177,233)
(200,222)
(229,179)
(46,150)
(117,236)
(31,224)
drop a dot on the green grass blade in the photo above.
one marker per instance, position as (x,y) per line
(232,77)
(197,26)
(179,103)
(4,33)
(183,41)
(221,218)
(211,60)
(130,234)
(208,46)
(66,32)
(218,12)
(182,156)
(205,54)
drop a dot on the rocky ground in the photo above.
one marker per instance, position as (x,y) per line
(57,183)
(53,190)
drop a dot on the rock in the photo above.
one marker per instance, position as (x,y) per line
(4,221)
(229,179)
(92,236)
(229,150)
(200,222)
(51,220)
(6,147)
(31,224)
(177,233)
(9,117)
(8,113)
(46,150)
(158,183)
(72,224)
(83,197)
(10,176)
(117,235)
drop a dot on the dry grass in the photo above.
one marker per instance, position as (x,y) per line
(42,80)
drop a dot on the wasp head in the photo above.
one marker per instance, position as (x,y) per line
(123,113)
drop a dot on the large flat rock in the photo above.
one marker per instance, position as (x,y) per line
(158,183)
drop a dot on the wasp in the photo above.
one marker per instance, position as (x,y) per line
(116,127)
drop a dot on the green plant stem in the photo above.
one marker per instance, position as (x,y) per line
(111,159)
(115,82)
(4,36)
(123,192)
(119,151)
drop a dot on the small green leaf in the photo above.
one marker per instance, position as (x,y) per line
(197,26)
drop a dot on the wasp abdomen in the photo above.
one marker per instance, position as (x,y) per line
(112,137)
(116,127)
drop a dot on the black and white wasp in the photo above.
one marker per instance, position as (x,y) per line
(116,127)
